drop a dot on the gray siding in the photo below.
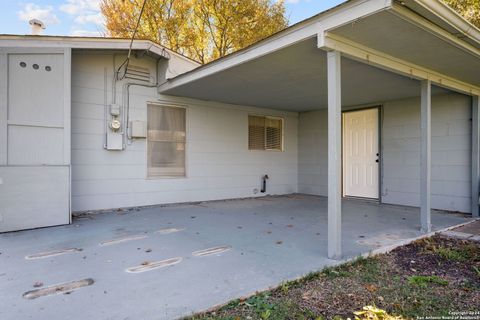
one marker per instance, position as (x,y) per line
(34,197)
(219,165)
(34,138)
(312,153)
(451,147)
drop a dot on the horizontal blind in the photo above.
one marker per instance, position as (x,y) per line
(273,139)
(256,133)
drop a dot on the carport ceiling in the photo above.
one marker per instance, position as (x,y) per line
(295,79)
(413,44)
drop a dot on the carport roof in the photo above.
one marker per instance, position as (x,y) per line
(386,47)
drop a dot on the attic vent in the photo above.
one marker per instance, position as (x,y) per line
(138,73)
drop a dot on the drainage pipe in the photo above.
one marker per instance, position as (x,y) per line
(264,183)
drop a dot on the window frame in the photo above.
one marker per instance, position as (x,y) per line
(282,136)
(155,177)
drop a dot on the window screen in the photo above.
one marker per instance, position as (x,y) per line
(166,138)
(265,133)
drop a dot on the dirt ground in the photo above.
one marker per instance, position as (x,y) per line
(431,277)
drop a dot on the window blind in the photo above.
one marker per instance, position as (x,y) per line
(265,133)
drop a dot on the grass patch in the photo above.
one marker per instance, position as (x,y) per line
(368,269)
(408,282)
(332,273)
(462,253)
(477,271)
(452,254)
(424,281)
(261,305)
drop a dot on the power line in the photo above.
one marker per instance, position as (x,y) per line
(127,61)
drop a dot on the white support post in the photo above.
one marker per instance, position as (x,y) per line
(334,155)
(475,154)
(425,155)
(3,106)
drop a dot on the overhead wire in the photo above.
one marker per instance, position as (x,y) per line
(127,60)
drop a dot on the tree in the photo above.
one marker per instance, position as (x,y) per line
(201,29)
(469,9)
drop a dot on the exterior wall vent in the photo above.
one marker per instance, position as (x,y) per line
(138,73)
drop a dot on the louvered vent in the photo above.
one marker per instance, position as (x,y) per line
(138,73)
(265,133)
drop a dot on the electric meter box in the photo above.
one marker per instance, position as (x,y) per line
(114,141)
(115,110)
(138,129)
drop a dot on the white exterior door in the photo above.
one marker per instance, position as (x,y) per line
(361,153)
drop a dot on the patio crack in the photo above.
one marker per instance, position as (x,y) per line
(124,239)
(59,288)
(148,266)
(210,251)
(169,230)
(53,253)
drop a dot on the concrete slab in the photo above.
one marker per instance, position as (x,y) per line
(475,238)
(456,234)
(190,257)
(471,228)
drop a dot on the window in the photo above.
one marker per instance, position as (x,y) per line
(166,138)
(265,133)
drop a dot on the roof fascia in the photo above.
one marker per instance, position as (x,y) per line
(359,52)
(87,43)
(445,15)
(419,21)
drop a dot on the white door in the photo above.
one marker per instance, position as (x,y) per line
(360,153)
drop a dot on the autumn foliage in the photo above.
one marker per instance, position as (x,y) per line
(209,29)
(469,9)
(201,29)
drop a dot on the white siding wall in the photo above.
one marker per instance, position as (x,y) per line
(178,65)
(219,165)
(34,138)
(451,145)
(451,152)
(312,153)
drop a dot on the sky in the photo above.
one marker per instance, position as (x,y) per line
(83,18)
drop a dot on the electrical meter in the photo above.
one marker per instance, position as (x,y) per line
(115,124)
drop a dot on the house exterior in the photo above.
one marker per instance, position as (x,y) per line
(373,99)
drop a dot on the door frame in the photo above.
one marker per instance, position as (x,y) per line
(379,108)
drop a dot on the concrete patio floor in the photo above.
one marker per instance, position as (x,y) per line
(270,240)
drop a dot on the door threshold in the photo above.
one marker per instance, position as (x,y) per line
(376,200)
